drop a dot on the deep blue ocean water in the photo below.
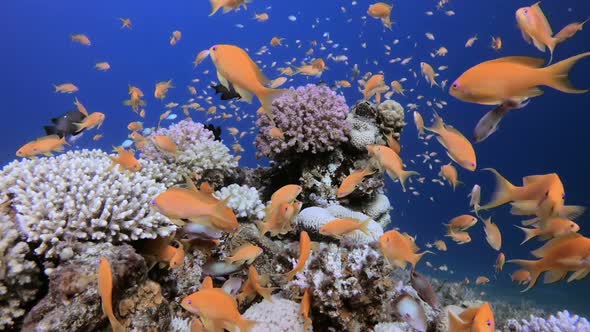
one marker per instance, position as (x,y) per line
(549,135)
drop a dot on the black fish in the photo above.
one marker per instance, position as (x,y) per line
(65,124)
(226,94)
(424,289)
(215,130)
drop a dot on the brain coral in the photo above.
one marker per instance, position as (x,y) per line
(77,197)
(19,277)
(197,149)
(312,119)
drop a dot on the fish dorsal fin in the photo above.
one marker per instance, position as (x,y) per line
(543,19)
(207,283)
(455,131)
(456,324)
(553,276)
(523,60)
(468,314)
(541,252)
(532,179)
(48,137)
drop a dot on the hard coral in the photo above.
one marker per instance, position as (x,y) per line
(312,119)
(197,149)
(243,200)
(280,315)
(19,277)
(371,122)
(76,197)
(563,321)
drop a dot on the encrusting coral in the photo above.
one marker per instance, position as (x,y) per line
(280,315)
(563,321)
(312,120)
(244,200)
(197,149)
(19,277)
(370,123)
(77,197)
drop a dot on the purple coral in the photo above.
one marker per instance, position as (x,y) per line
(312,119)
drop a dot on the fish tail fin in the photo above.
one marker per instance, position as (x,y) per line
(262,227)
(215,6)
(404,176)
(365,227)
(456,323)
(572,211)
(530,266)
(416,258)
(246,325)
(229,260)
(557,74)
(529,233)
(267,96)
(307,325)
(503,192)
(117,326)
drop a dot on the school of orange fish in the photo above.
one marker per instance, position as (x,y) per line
(506,82)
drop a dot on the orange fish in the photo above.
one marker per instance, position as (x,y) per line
(165,143)
(125,23)
(177,34)
(92,120)
(459,237)
(397,87)
(459,149)
(449,172)
(391,163)
(373,85)
(44,145)
(217,309)
(285,194)
(471,41)
(102,66)
(399,249)
(393,143)
(246,253)
(569,31)
(96,137)
(429,73)
(304,253)
(535,28)
(473,319)
(381,10)
(521,276)
(339,227)
(227,5)
(461,223)
(276,133)
(80,107)
(126,160)
(66,88)
(276,41)
(305,308)
(550,228)
(482,280)
(261,17)
(252,287)
(513,79)
(198,59)
(440,245)
(135,98)
(493,235)
(139,140)
(162,89)
(558,257)
(279,220)
(135,126)
(500,260)
(351,182)
(81,39)
(105,290)
(236,69)
(419,122)
(496,43)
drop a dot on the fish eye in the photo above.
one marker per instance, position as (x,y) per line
(455,85)
(572,226)
(153,202)
(189,302)
(546,193)
(489,322)
(214,48)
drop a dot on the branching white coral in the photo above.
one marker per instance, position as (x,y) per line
(19,279)
(280,315)
(76,196)
(563,321)
(244,200)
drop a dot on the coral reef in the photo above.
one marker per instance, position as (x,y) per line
(369,123)
(197,149)
(280,315)
(19,277)
(311,219)
(563,321)
(244,200)
(73,302)
(77,197)
(312,119)
(145,309)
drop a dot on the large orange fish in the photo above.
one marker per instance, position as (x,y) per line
(235,69)
(473,319)
(44,145)
(515,78)
(535,28)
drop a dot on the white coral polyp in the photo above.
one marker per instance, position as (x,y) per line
(76,196)
(244,200)
(280,315)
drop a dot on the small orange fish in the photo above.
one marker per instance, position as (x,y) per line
(135,126)
(373,85)
(493,235)
(459,149)
(44,145)
(135,98)
(429,73)
(105,290)
(162,89)
(391,163)
(305,308)
(393,143)
(535,28)
(419,122)
(125,23)
(81,39)
(471,41)
(92,120)
(66,88)
(569,31)
(343,83)
(440,245)
(276,41)
(80,107)
(381,10)
(252,287)
(550,228)
(339,227)
(126,160)
(304,253)
(397,87)
(165,143)
(198,59)
(177,34)
(246,253)
(482,280)
(449,172)
(521,276)
(227,5)
(96,137)
(500,260)
(461,223)
(351,182)
(102,66)
(261,17)
(459,237)
(496,43)
(400,249)
(276,133)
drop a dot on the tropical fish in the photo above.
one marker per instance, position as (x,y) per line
(126,160)
(44,145)
(305,308)
(569,31)
(105,290)
(461,223)
(490,122)
(66,88)
(399,249)
(419,122)
(227,5)
(459,149)
(381,10)
(535,28)
(65,124)
(500,260)
(304,253)
(94,119)
(162,89)
(125,23)
(389,161)
(482,280)
(429,73)
(339,227)
(473,319)
(550,228)
(81,39)
(449,172)
(493,235)
(253,286)
(246,253)
(351,182)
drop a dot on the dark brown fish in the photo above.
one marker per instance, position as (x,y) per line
(424,289)
(488,124)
